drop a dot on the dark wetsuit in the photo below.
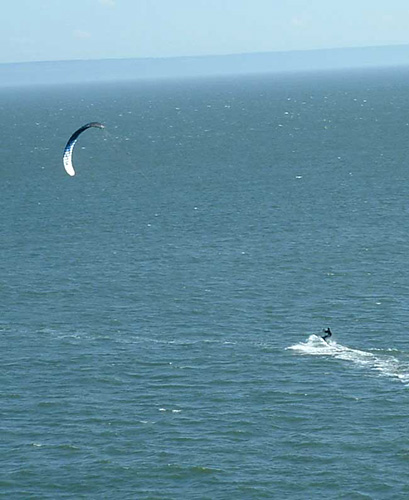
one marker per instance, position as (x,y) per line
(327,335)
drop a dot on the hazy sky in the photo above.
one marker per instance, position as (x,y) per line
(38,30)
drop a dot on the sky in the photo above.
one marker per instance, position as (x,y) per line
(55,30)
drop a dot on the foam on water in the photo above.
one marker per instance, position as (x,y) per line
(386,364)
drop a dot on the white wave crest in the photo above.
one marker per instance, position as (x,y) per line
(385,364)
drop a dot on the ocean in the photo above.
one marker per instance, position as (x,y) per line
(161,311)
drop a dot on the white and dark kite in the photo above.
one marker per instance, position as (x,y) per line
(67,158)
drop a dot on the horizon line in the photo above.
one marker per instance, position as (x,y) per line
(203,56)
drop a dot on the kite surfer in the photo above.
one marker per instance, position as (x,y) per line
(327,335)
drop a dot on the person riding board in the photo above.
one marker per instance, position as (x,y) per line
(327,335)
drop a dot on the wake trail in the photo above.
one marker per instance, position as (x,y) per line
(385,364)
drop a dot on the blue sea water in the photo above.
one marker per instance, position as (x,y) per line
(160,310)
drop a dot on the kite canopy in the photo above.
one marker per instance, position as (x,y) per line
(67,158)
